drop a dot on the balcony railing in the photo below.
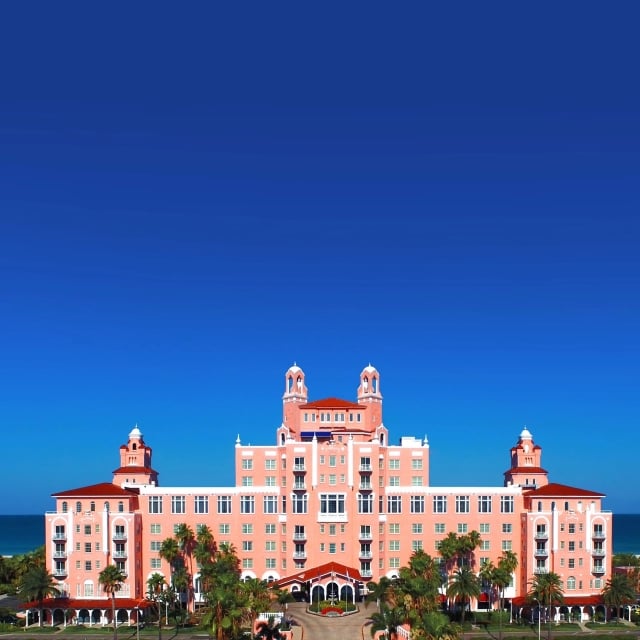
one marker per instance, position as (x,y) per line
(119,554)
(365,468)
(299,555)
(365,535)
(539,570)
(366,573)
(541,553)
(60,536)
(365,554)
(300,535)
(541,535)
(300,468)
(59,554)
(598,568)
(119,536)
(365,486)
(299,486)
(60,572)
(598,535)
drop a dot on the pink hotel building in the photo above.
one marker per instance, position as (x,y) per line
(330,505)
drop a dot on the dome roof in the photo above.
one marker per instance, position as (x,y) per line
(135,432)
(369,369)
(525,434)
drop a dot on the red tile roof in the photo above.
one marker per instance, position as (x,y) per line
(555,490)
(101,490)
(314,573)
(133,469)
(331,403)
(86,603)
(525,470)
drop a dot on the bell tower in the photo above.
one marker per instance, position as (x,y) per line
(295,394)
(526,458)
(135,462)
(370,396)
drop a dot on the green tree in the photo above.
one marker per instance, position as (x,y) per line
(436,625)
(186,543)
(418,586)
(257,597)
(619,591)
(112,579)
(546,590)
(156,588)
(463,586)
(387,619)
(37,584)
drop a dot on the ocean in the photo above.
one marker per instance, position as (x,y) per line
(21,534)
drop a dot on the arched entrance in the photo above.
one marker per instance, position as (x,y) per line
(346,593)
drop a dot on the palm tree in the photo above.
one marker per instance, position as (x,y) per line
(186,543)
(486,574)
(257,598)
(37,584)
(546,589)
(387,619)
(619,591)
(436,625)
(156,586)
(464,585)
(112,579)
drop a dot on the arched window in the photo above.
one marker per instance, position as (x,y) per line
(78,507)
(93,506)
(571,583)
(65,507)
(374,384)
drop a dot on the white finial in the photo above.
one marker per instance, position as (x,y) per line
(238,439)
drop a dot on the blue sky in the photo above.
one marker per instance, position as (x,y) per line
(194,196)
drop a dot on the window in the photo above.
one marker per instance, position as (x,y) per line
(156,563)
(156,545)
(507,527)
(417,504)
(416,528)
(155,504)
(506,504)
(247,504)
(394,504)
(506,545)
(572,545)
(270,464)
(247,529)
(394,481)
(87,565)
(247,463)
(270,504)
(394,463)
(332,461)
(247,545)
(439,504)
(120,506)
(572,563)
(365,464)
(394,563)
(201,504)
(485,545)
(572,528)
(270,529)
(485,527)
(178,504)
(394,528)
(332,547)
(416,464)
(224,529)
(462,504)
(439,527)
(332,503)
(365,503)
(224,504)
(270,563)
(65,507)
(87,529)
(247,481)
(247,563)
(571,583)
(484,504)
(394,545)
(332,479)
(462,527)
(78,507)
(87,547)
(416,545)
(299,503)
(270,545)
(416,481)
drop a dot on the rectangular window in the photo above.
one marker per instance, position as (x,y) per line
(270,504)
(394,481)
(270,464)
(416,545)
(394,528)
(270,481)
(572,528)
(417,504)
(332,503)
(332,479)
(416,528)
(224,504)
(247,463)
(394,504)
(247,481)
(156,545)
(299,503)
(247,563)
(484,504)
(365,503)
(485,545)
(416,464)
(247,529)
(394,545)
(247,504)
(506,545)
(462,527)
(394,463)
(270,545)
(224,529)
(394,563)
(416,481)
(87,565)
(270,563)
(201,504)
(507,527)
(572,563)
(155,504)
(87,547)
(439,527)
(439,504)
(462,504)
(506,504)
(332,547)
(484,527)
(156,563)
(247,545)
(178,504)
(332,461)
(270,529)
(572,545)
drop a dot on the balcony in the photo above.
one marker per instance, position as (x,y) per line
(541,535)
(299,468)
(539,570)
(60,535)
(365,486)
(299,486)
(599,552)
(300,535)
(365,468)
(598,569)
(120,535)
(598,535)
(366,573)
(59,554)
(60,572)
(365,554)
(541,552)
(300,555)
(119,554)
(365,535)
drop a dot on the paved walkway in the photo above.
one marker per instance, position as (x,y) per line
(312,627)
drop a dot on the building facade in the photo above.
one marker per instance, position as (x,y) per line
(330,505)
